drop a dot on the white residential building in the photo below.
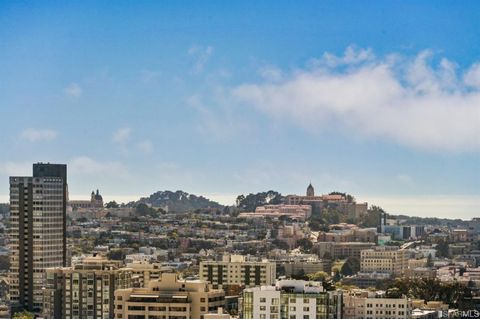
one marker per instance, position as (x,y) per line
(293,299)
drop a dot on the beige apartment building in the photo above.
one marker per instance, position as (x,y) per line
(144,272)
(85,290)
(237,270)
(384,259)
(363,304)
(169,298)
(342,250)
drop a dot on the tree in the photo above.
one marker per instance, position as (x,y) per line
(350,266)
(442,248)
(305,244)
(300,275)
(252,201)
(336,276)
(145,210)
(82,219)
(393,292)
(318,276)
(111,204)
(23,315)
(4,263)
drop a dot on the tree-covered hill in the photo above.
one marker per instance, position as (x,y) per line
(178,201)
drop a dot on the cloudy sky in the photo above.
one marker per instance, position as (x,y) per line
(221,98)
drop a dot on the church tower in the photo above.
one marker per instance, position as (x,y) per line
(310,191)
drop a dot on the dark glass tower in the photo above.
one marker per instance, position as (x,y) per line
(37,234)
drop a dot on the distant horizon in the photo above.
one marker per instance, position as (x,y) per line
(440,206)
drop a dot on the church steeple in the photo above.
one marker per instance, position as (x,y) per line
(310,190)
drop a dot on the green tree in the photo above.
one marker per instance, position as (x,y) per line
(112,204)
(442,248)
(393,292)
(305,244)
(350,266)
(318,276)
(23,315)
(4,263)
(300,275)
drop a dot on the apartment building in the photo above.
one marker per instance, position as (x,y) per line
(85,290)
(361,304)
(384,259)
(341,250)
(143,272)
(169,298)
(306,266)
(293,299)
(238,270)
(37,232)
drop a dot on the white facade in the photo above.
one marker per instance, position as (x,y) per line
(293,299)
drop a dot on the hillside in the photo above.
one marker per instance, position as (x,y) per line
(178,201)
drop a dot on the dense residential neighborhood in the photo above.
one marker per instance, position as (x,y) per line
(284,260)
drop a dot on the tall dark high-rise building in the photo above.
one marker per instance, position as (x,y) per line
(37,234)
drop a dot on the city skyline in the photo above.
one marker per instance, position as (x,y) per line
(377,101)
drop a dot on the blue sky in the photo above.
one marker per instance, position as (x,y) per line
(378,99)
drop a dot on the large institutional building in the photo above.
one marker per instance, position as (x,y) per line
(384,259)
(342,202)
(296,212)
(168,298)
(95,202)
(291,299)
(37,232)
(237,270)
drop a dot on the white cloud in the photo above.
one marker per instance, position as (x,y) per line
(145,146)
(84,165)
(200,55)
(472,77)
(407,101)
(73,90)
(122,135)
(36,135)
(271,73)
(351,56)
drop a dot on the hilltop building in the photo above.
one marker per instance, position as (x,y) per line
(95,202)
(342,202)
